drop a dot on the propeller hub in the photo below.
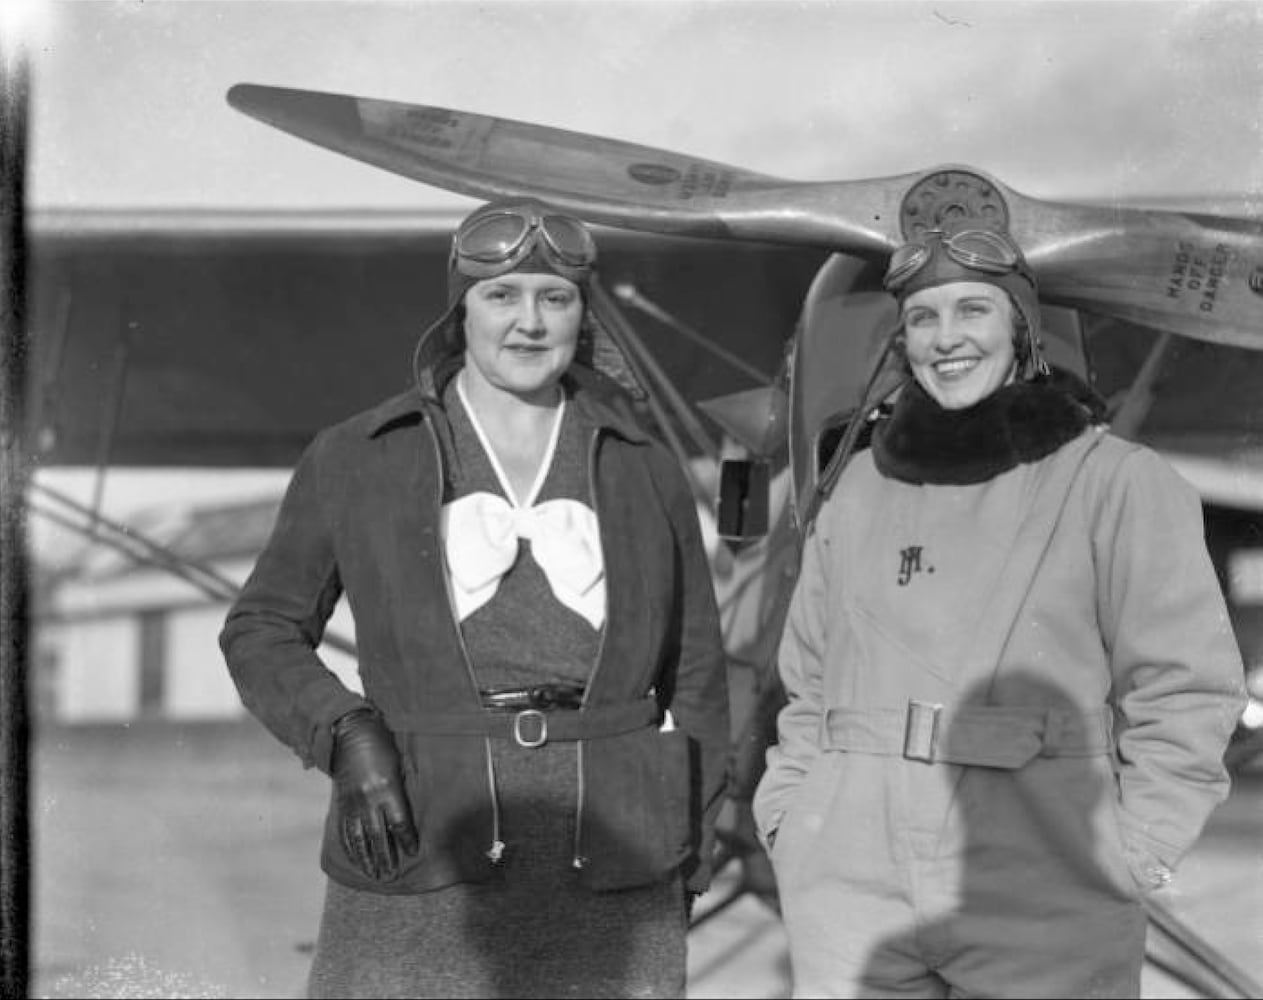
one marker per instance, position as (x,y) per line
(952,200)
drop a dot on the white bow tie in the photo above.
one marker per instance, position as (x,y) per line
(480,537)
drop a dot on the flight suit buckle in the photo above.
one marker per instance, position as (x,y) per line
(920,735)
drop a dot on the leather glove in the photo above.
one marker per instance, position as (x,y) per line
(376,821)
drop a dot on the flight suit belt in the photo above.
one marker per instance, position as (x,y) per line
(532,727)
(999,736)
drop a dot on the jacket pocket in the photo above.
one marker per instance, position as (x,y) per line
(1139,871)
(445,779)
(796,838)
(641,816)
(339,866)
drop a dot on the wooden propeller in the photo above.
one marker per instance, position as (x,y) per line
(1195,275)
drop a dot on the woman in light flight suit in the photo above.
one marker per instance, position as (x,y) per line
(1010,672)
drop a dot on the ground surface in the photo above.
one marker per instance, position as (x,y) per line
(181,861)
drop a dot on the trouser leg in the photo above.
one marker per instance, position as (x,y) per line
(1097,952)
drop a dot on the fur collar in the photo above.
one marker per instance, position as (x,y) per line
(1021,422)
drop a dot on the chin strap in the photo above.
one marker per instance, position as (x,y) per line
(1036,366)
(873,395)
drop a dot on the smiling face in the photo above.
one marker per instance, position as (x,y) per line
(521,331)
(959,341)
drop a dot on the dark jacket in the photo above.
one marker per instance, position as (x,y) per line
(361,516)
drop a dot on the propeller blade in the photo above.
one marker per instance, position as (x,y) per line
(1199,276)
(604,180)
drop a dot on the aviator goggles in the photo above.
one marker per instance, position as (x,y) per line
(498,241)
(977,249)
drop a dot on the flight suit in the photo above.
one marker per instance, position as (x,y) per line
(1008,702)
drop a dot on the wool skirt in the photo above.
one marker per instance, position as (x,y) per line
(532,930)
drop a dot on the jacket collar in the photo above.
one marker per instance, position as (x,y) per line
(394,410)
(1022,422)
(598,398)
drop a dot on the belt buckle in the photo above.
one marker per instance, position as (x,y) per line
(539,740)
(920,736)
(542,696)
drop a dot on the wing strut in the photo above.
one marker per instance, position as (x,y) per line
(1138,399)
(68,513)
(655,380)
(113,409)
(631,295)
(1178,951)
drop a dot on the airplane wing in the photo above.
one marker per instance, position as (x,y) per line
(185,339)
(228,339)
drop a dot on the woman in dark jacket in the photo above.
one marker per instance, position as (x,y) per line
(524,796)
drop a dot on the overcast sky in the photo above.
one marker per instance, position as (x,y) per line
(1057,99)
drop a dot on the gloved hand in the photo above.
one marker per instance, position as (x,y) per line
(376,819)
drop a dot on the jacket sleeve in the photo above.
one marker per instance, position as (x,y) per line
(800,662)
(699,697)
(274,627)
(1178,678)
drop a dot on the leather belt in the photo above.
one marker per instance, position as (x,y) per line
(532,727)
(1001,736)
(542,697)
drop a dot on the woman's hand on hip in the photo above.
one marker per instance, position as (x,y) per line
(375,817)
